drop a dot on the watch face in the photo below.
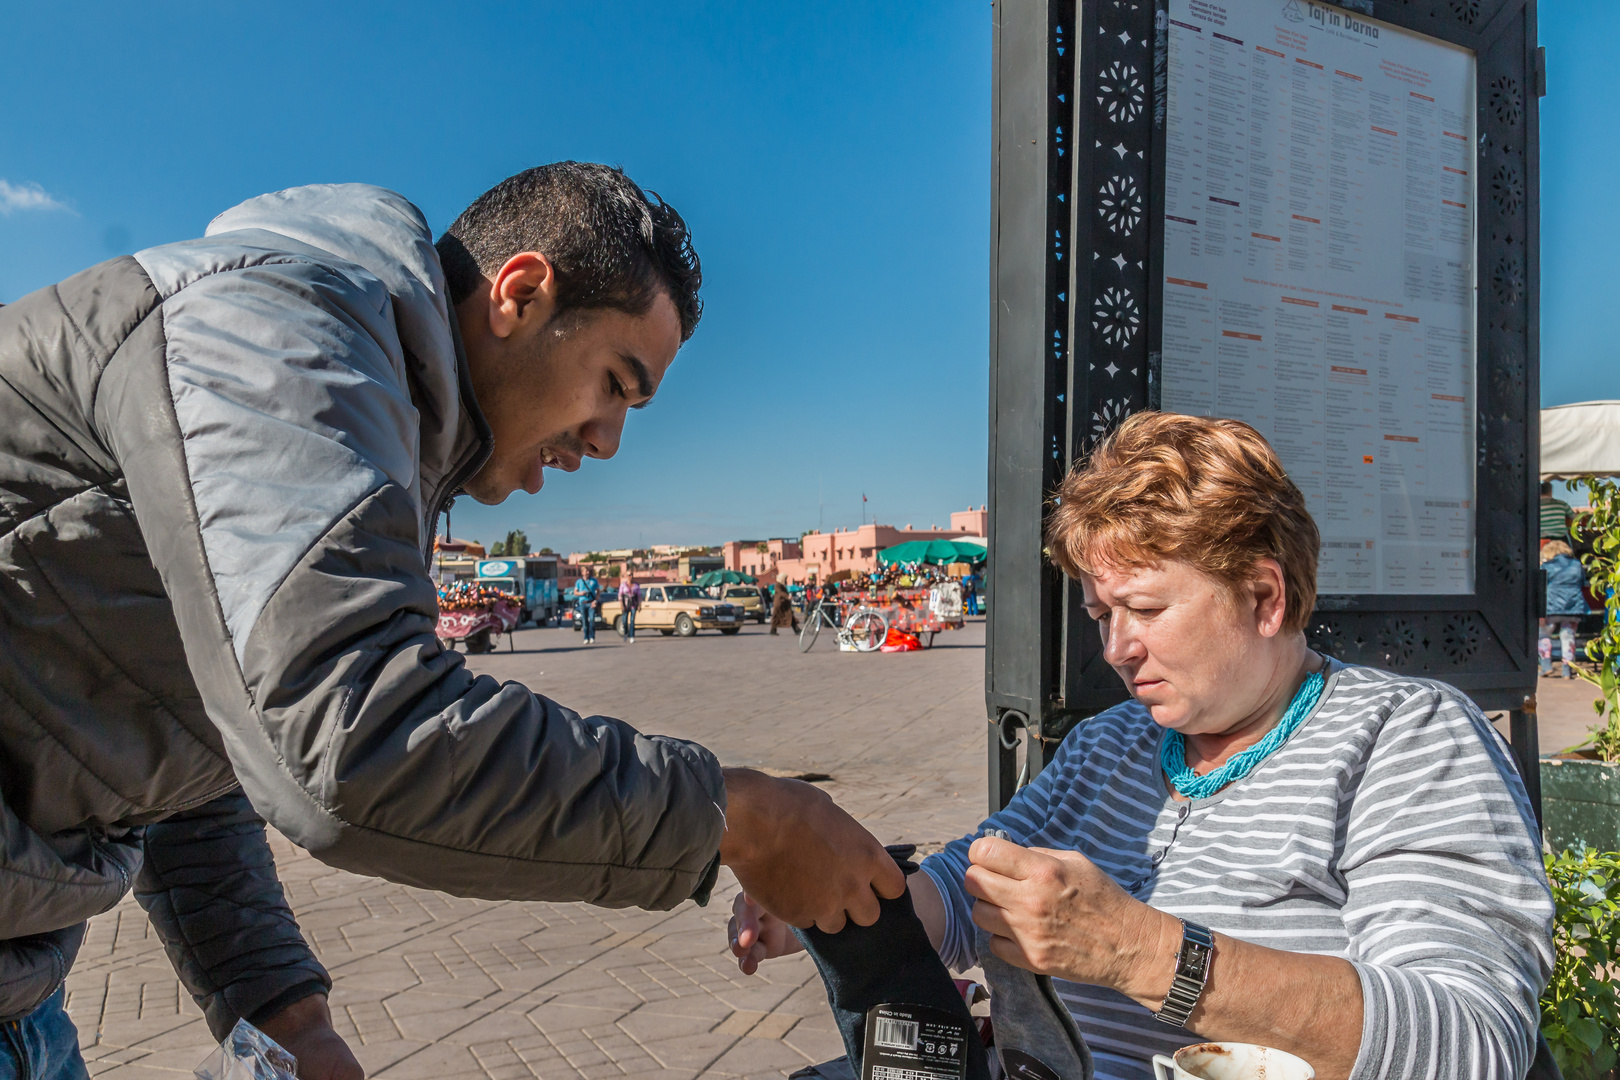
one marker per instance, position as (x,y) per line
(1194,960)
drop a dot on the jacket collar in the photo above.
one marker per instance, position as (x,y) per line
(467,448)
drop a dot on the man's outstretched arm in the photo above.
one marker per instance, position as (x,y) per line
(268,446)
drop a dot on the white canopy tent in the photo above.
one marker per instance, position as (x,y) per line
(1582,439)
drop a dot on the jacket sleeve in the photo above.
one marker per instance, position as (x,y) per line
(209,885)
(269,445)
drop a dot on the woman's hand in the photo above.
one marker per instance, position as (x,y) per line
(758,935)
(1055,913)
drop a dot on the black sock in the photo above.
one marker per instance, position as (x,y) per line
(889,962)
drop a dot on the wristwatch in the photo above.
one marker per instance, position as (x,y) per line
(1192,972)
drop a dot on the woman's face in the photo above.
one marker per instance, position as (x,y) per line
(1201,658)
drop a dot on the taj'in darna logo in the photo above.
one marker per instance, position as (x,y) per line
(1292,13)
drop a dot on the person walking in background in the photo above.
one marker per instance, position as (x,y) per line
(585,597)
(1566,603)
(782,613)
(1555,516)
(970,593)
(629,604)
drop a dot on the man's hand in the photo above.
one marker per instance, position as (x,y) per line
(802,858)
(757,935)
(1055,913)
(304,1030)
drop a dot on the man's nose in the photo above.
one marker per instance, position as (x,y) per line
(601,436)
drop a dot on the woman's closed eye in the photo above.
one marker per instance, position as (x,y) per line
(1102,618)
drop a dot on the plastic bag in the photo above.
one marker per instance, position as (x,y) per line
(900,641)
(247,1054)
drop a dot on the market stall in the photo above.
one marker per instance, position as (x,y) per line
(917,598)
(474,613)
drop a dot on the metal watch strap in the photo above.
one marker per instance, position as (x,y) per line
(1192,972)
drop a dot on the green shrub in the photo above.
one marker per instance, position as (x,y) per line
(1580,1012)
(1602,528)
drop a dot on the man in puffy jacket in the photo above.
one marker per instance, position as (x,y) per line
(221,466)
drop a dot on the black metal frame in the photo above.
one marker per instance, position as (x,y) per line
(1078,117)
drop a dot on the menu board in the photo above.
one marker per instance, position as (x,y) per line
(1319,277)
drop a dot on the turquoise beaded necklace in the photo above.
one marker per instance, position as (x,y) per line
(1173,750)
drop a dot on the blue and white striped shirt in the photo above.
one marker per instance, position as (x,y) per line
(1391,829)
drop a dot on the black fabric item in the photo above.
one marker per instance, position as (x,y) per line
(889,962)
(836,1069)
(209,886)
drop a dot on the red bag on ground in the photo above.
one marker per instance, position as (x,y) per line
(900,641)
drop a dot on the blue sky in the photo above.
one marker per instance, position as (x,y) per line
(832,159)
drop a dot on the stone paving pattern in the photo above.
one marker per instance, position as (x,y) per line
(433,986)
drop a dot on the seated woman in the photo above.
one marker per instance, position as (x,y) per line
(1359,842)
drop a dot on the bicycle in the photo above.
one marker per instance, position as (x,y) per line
(864,631)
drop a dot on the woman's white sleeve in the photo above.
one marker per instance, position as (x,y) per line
(1448,910)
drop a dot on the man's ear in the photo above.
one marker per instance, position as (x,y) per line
(522,295)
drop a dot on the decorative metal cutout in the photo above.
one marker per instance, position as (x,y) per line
(1107,417)
(1507,190)
(1327,638)
(1507,562)
(1467,11)
(1461,638)
(1507,393)
(1116,316)
(1400,640)
(1119,204)
(1121,92)
(1507,100)
(1507,461)
(1507,279)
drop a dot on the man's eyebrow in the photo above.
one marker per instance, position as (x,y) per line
(644,383)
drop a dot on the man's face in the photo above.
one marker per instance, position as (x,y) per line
(556,389)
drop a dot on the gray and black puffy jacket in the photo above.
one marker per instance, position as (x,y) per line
(221,464)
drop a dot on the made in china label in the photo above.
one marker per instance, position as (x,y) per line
(914,1042)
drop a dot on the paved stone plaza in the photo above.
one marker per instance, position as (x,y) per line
(428,985)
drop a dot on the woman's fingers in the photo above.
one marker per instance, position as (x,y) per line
(1010,951)
(988,916)
(1005,857)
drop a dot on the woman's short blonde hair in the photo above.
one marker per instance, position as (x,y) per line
(1170,488)
(1554,548)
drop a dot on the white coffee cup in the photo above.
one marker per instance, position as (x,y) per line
(1231,1061)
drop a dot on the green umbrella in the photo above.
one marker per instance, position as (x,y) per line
(724,577)
(939,552)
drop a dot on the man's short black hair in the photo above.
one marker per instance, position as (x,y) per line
(611,244)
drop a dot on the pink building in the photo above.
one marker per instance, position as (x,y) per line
(824,554)
(971,522)
(759,557)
